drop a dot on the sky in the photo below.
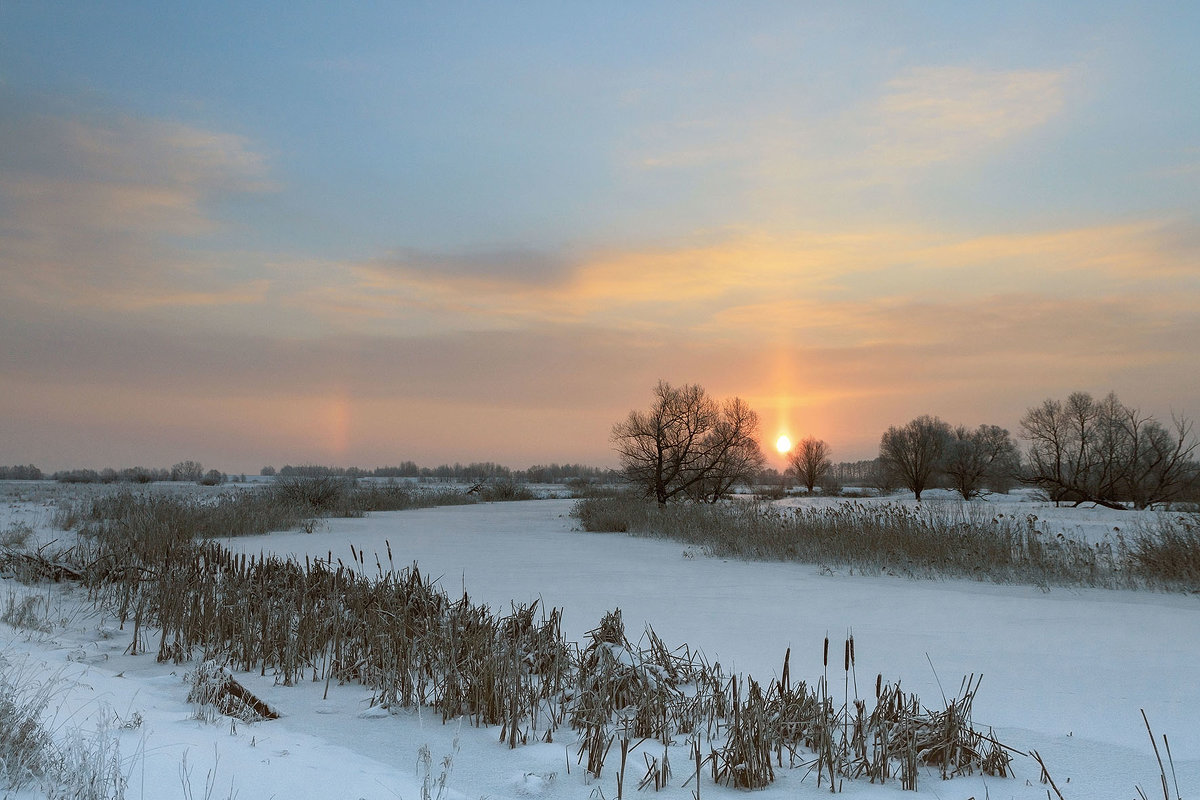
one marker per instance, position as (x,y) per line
(253,234)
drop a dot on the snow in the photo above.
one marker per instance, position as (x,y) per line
(1066,672)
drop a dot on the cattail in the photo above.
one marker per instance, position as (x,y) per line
(826,658)
(847,666)
(878,686)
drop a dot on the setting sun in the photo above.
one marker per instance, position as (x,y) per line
(783,443)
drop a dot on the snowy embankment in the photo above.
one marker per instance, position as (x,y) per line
(1066,672)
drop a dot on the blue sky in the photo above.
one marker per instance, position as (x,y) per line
(249,233)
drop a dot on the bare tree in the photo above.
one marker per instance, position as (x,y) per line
(913,453)
(1162,468)
(688,445)
(731,450)
(187,471)
(973,457)
(1052,450)
(810,461)
(1104,452)
(1074,451)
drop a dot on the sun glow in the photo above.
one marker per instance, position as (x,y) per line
(783,443)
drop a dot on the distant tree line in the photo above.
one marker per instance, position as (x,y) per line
(27,472)
(869,472)
(184,471)
(866,473)
(110,475)
(194,472)
(567,473)
(474,472)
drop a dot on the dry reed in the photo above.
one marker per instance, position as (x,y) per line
(946,539)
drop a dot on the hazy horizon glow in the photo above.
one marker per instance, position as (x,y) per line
(475,233)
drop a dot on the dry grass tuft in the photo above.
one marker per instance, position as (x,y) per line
(26,747)
(81,767)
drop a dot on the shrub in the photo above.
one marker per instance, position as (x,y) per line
(621,513)
(773,491)
(320,495)
(211,478)
(503,490)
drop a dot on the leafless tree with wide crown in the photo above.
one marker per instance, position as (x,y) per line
(688,445)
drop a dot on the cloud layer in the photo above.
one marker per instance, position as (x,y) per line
(497,261)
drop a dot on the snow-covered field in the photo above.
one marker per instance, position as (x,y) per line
(1066,672)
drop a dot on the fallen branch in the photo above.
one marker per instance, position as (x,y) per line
(213,685)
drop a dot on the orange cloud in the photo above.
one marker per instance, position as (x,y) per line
(827,286)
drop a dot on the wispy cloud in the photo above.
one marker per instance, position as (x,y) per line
(499,266)
(795,160)
(94,209)
(745,285)
(932,114)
